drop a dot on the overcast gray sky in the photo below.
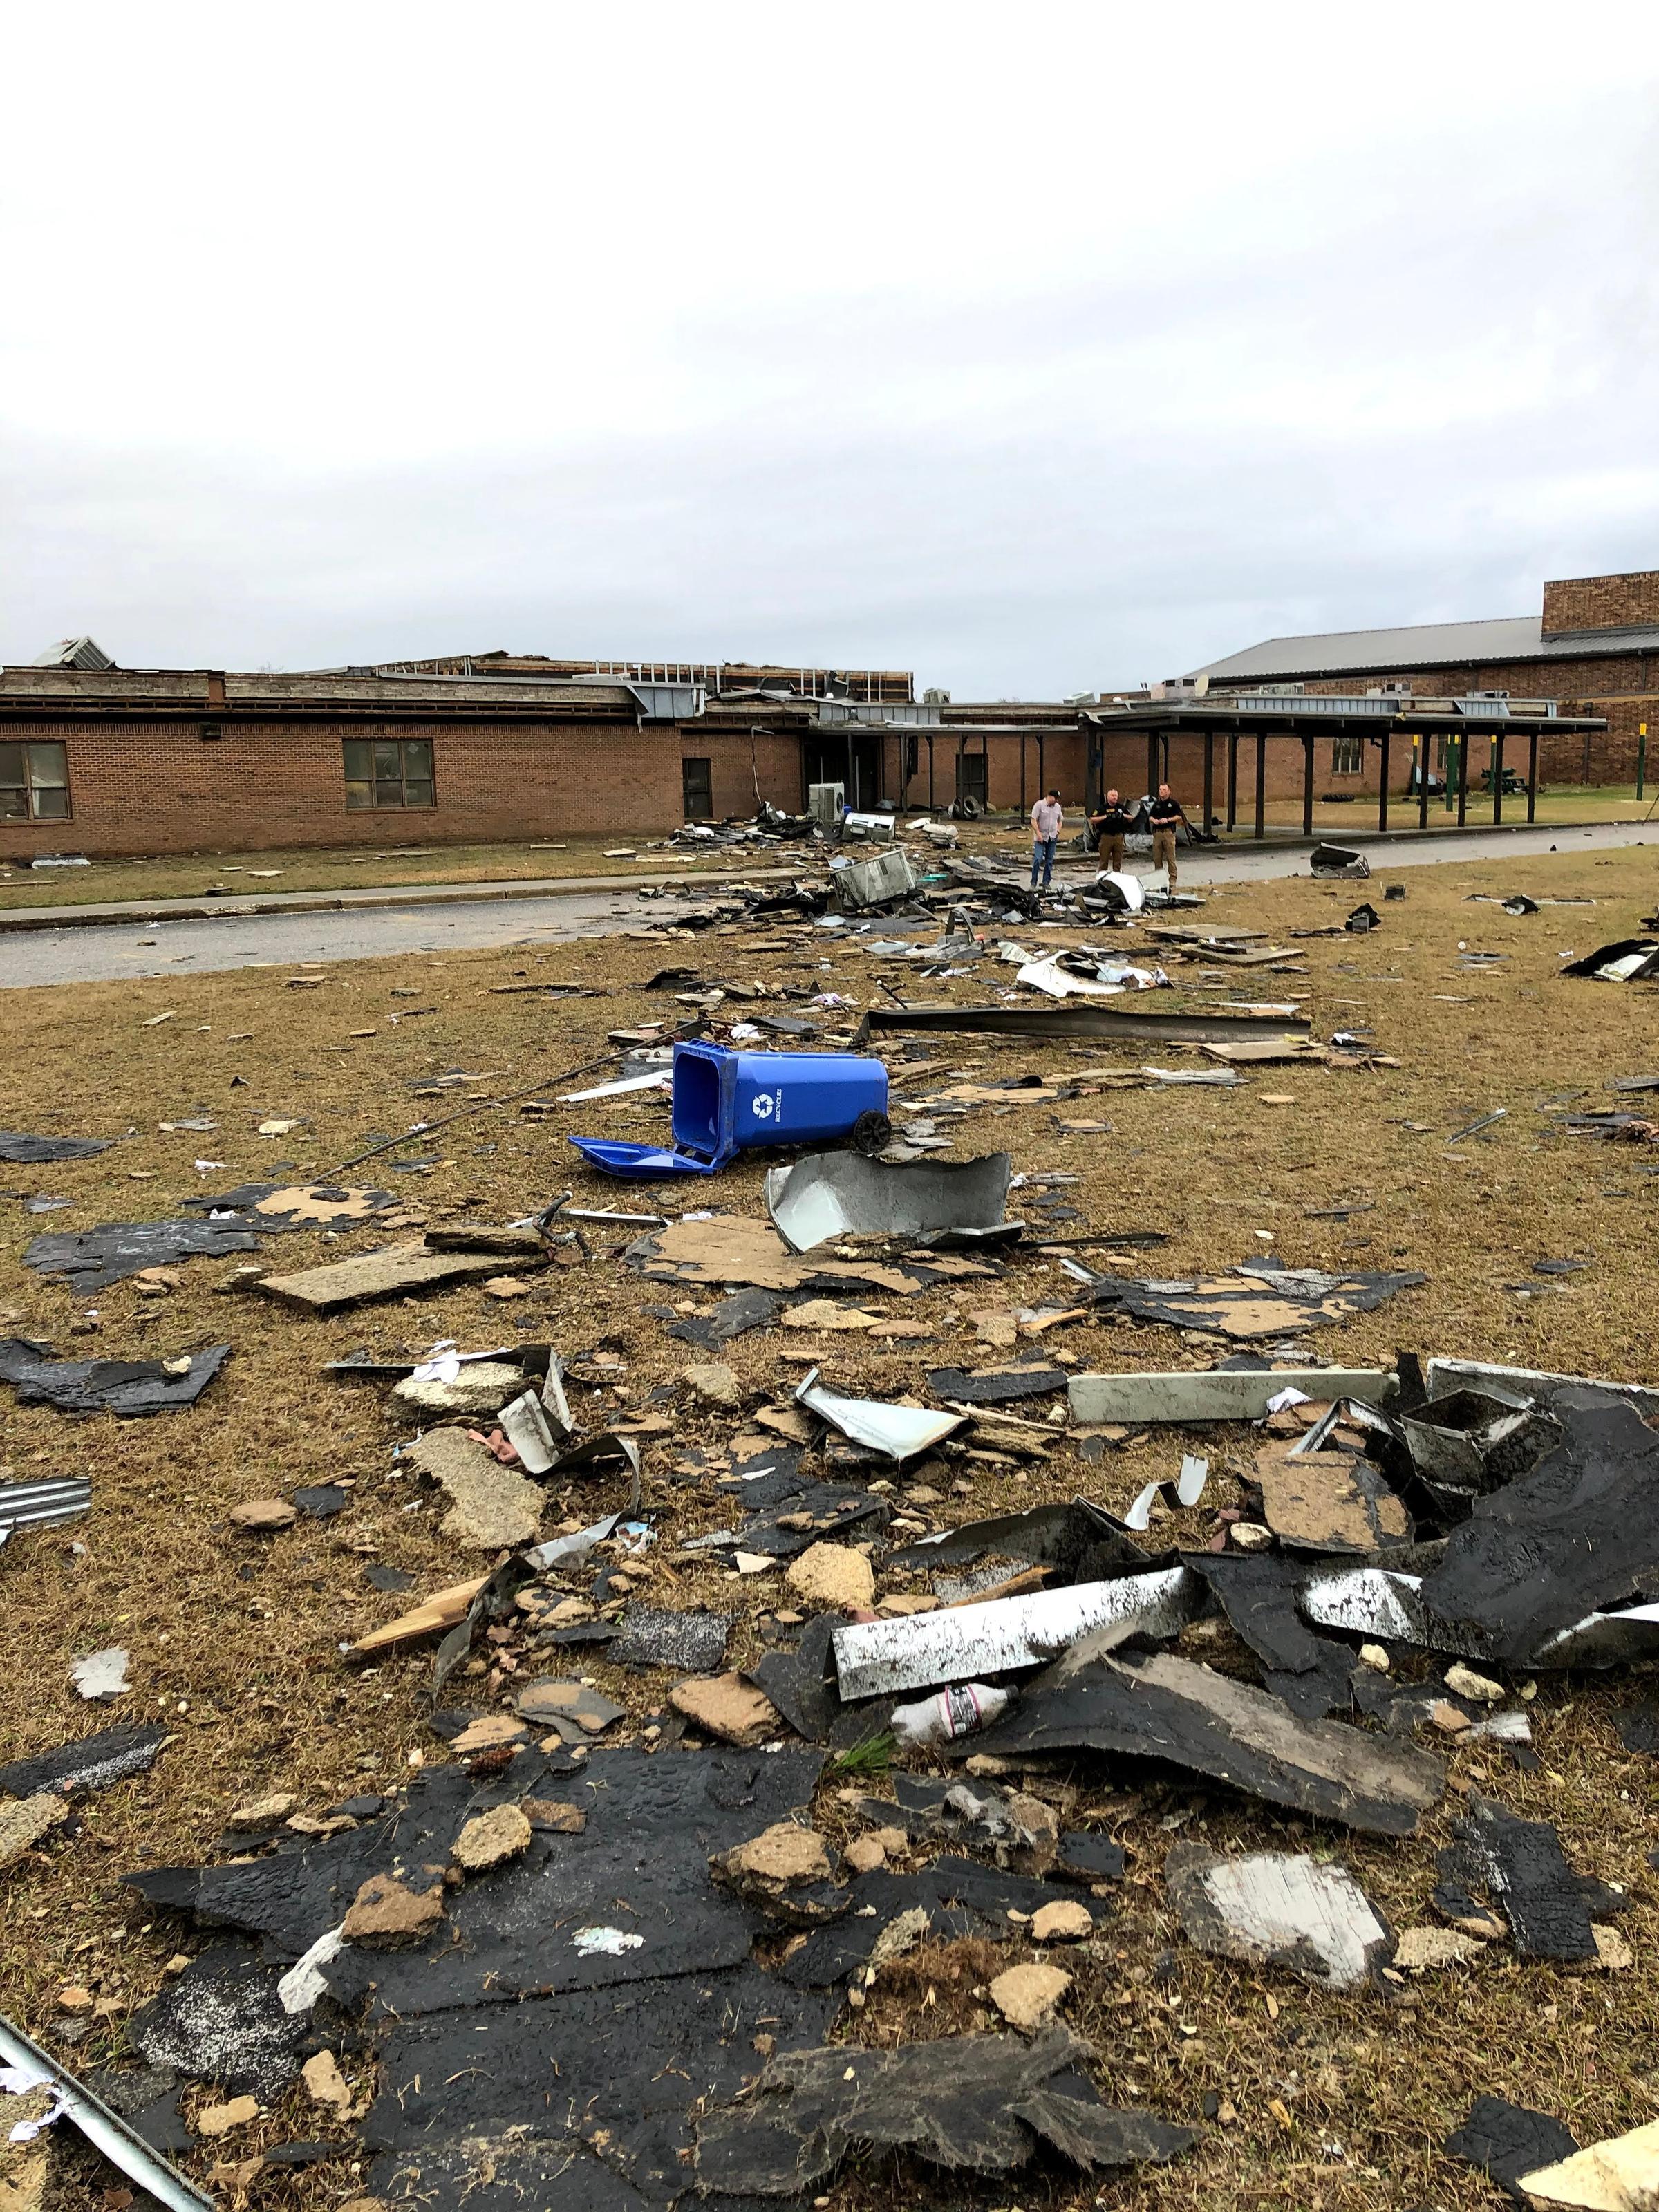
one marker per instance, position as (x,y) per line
(1033,348)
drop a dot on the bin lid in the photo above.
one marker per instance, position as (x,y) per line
(643,1162)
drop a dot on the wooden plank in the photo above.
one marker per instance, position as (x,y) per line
(392,1272)
(445,1608)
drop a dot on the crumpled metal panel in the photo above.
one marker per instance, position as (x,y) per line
(967,1642)
(845,1195)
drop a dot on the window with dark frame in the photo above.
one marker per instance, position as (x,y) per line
(389,772)
(697,786)
(35,783)
(1347,755)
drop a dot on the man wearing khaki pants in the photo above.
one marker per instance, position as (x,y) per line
(1163,814)
(1110,827)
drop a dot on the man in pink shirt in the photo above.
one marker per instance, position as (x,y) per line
(1047,817)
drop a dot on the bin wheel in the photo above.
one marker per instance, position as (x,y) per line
(872,1133)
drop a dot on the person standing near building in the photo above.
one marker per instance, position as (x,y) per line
(1163,814)
(1047,817)
(1111,826)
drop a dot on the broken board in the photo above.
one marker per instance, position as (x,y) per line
(394,1272)
(1328,1501)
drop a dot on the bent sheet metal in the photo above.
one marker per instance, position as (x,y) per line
(967,1642)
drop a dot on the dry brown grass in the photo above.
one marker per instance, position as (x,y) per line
(307,868)
(238,1640)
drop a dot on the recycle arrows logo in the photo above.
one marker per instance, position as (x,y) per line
(763,1106)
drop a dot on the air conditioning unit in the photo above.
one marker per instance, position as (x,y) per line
(825,802)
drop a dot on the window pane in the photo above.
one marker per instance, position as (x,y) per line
(389,794)
(49,767)
(51,805)
(359,763)
(360,791)
(14,804)
(417,794)
(417,758)
(11,767)
(388,760)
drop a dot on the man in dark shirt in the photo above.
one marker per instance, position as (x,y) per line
(1163,814)
(1110,825)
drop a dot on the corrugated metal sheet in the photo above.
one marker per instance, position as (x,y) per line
(668,702)
(1424,645)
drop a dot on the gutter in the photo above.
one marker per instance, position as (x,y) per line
(104,2129)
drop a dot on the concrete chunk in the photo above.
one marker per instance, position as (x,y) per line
(385,1913)
(490,1838)
(495,1507)
(1026,1996)
(484,1386)
(726,1707)
(831,1574)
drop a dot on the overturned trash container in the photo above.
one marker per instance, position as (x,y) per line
(726,1101)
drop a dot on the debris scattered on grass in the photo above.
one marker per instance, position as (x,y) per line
(102,1674)
(1271,1910)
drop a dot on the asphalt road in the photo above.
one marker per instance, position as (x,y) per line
(103,955)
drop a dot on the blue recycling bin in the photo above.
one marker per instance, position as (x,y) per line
(724,1102)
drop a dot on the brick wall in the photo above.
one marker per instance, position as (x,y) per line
(155,786)
(1602,602)
(735,768)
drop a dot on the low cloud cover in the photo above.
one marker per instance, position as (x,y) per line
(1035,353)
